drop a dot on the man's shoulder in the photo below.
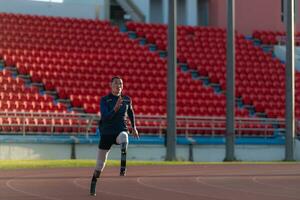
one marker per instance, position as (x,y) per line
(106,98)
(126,98)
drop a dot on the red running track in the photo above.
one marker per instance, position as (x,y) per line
(193,182)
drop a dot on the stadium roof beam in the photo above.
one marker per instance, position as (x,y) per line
(171,81)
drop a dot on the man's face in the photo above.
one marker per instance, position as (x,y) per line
(117,86)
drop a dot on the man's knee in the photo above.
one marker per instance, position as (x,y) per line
(101,159)
(123,137)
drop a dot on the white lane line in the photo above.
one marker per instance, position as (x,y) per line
(255,179)
(9,185)
(139,180)
(203,182)
(75,181)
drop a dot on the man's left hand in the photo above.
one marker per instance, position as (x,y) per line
(135,133)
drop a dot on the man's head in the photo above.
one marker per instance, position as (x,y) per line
(116,85)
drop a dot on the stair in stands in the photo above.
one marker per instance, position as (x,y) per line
(41,88)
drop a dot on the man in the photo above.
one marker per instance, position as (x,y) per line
(113,128)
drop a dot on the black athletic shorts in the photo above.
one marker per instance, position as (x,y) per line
(107,140)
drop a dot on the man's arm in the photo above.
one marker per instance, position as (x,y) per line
(107,114)
(131,116)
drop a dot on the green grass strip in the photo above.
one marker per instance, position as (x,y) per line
(32,164)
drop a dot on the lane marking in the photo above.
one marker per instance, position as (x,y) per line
(9,185)
(203,182)
(75,182)
(139,180)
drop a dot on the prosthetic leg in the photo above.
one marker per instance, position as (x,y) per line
(123,159)
(96,175)
(122,139)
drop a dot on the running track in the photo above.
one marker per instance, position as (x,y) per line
(198,182)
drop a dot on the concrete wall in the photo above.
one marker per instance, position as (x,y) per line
(297,150)
(187,15)
(207,153)
(156,11)
(202,12)
(69,8)
(144,6)
(191,14)
(251,15)
(280,53)
(27,151)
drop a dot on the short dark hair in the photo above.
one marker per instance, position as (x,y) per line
(115,77)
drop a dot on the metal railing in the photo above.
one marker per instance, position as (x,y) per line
(212,126)
(47,123)
(86,124)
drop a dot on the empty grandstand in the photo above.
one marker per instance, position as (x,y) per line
(54,70)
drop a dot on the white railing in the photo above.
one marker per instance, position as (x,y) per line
(86,124)
(47,123)
(212,126)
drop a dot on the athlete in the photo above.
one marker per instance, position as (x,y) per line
(114,108)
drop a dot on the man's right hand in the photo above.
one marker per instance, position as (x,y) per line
(118,104)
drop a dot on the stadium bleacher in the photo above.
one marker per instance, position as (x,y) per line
(15,96)
(260,78)
(76,58)
(272,37)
